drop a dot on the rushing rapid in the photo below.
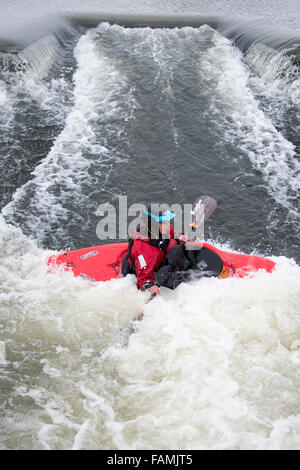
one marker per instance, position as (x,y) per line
(92,112)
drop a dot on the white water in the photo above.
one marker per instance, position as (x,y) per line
(213,365)
(102,89)
(225,77)
(101,92)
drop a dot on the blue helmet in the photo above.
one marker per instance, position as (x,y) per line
(152,216)
(167,216)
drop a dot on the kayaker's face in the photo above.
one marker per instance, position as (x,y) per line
(164,228)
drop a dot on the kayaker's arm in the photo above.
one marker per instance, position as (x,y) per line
(146,259)
(183,238)
(153,288)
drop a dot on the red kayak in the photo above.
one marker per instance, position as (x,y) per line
(103,262)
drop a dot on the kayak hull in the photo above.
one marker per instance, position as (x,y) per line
(104,262)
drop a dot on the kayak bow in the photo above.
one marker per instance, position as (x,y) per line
(104,262)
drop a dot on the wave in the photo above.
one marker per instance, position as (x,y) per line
(247,33)
(35,98)
(280,68)
(209,365)
(19,33)
(80,156)
(244,33)
(63,186)
(205,357)
(246,125)
(36,59)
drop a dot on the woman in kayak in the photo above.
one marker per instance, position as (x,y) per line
(150,246)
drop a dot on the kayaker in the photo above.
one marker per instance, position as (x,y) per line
(150,246)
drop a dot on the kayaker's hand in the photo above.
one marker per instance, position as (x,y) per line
(141,312)
(154,290)
(183,238)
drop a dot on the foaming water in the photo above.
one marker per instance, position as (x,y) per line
(213,360)
(271,64)
(120,111)
(49,322)
(247,126)
(40,57)
(157,114)
(279,82)
(34,105)
(80,154)
(213,365)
